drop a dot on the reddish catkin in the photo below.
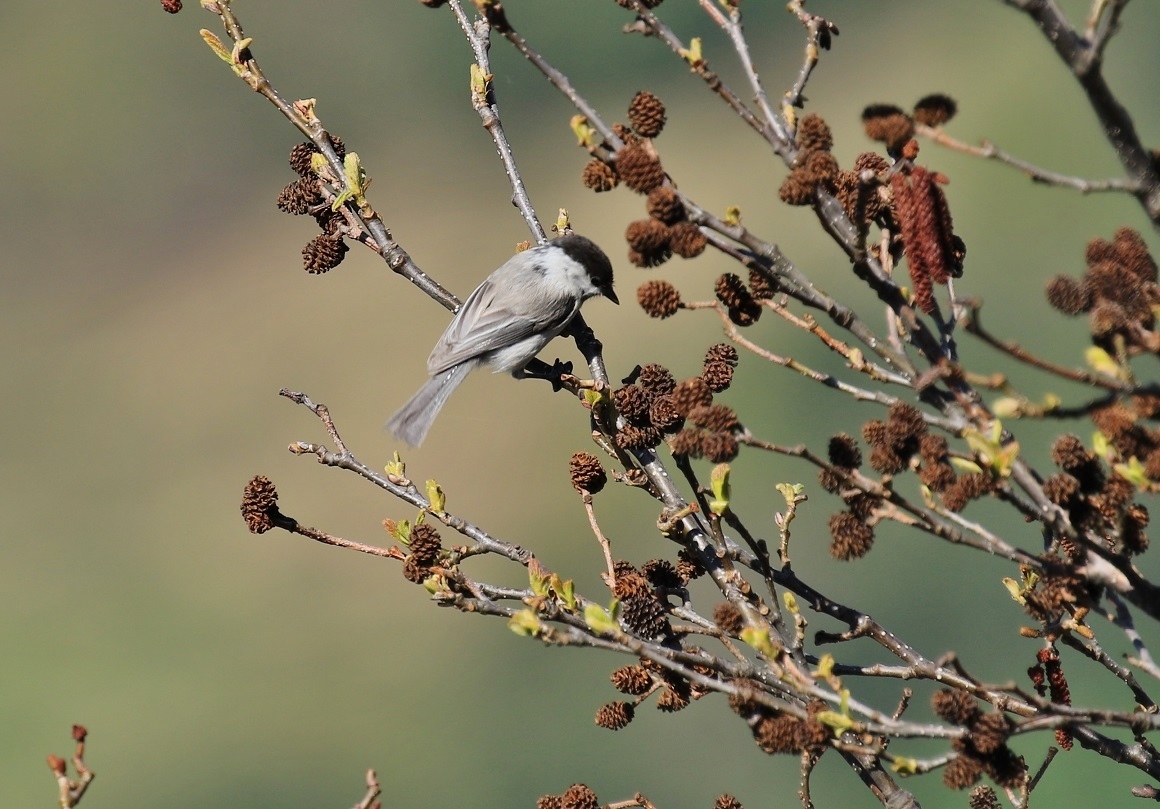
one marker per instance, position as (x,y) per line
(920,275)
(927,234)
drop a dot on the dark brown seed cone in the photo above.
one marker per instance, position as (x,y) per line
(874,432)
(1146,405)
(745,316)
(259,504)
(687,240)
(905,424)
(425,544)
(984,798)
(719,447)
(965,489)
(818,168)
(599,176)
(323,253)
(796,189)
(1132,534)
(672,700)
(632,402)
(728,619)
(586,473)
(1132,252)
(843,451)
(646,113)
(691,393)
(852,538)
(715,418)
(658,298)
(300,157)
(329,221)
(1117,422)
(722,352)
(632,437)
(647,235)
(779,734)
(1072,457)
(641,610)
(661,573)
(889,124)
(646,3)
(648,260)
(688,566)
(299,197)
(760,286)
(813,134)
(885,461)
(935,109)
(956,707)
(615,715)
(727,802)
(1005,768)
(579,796)
(989,732)
(171,6)
(830,480)
(862,505)
(665,205)
(415,570)
(638,168)
(731,291)
(937,477)
(663,415)
(871,161)
(632,680)
(686,442)
(933,448)
(656,379)
(718,376)
(962,772)
(874,199)
(301,154)
(1107,318)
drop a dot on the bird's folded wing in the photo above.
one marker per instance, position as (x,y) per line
(482,326)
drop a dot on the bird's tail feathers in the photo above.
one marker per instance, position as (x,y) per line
(412,421)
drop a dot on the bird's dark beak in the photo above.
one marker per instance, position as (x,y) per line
(610,293)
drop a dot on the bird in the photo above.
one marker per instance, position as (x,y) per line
(506,321)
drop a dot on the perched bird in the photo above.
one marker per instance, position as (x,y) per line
(506,321)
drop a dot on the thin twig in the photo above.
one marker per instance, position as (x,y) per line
(990,151)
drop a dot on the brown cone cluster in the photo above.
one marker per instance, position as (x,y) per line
(814,166)
(778,732)
(655,406)
(684,411)
(425,546)
(666,231)
(983,750)
(642,610)
(894,127)
(304,196)
(1099,502)
(1117,291)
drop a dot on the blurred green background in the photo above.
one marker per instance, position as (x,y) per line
(153,304)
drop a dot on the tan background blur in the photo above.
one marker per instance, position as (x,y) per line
(153,304)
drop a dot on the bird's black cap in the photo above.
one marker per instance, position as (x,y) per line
(592,258)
